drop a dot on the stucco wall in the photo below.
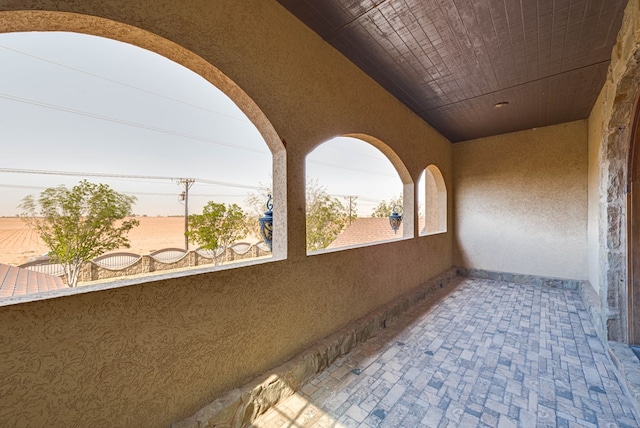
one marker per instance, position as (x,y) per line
(149,354)
(595,139)
(520,202)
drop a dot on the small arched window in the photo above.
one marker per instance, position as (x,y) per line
(432,201)
(352,189)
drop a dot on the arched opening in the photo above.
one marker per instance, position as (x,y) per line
(432,201)
(353,188)
(50,22)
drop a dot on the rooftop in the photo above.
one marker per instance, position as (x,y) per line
(15,281)
(364,230)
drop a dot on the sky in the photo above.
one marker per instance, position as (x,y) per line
(74,106)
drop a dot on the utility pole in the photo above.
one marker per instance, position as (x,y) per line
(184,196)
(352,206)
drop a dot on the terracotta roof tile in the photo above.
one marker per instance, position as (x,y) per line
(364,230)
(15,281)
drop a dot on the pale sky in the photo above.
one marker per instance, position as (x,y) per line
(85,104)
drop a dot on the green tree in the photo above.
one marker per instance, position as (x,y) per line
(79,224)
(326,217)
(385,209)
(218,226)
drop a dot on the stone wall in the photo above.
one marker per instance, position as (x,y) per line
(610,125)
(147,264)
(241,406)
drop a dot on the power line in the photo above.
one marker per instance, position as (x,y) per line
(332,165)
(224,183)
(219,195)
(210,195)
(363,199)
(170,132)
(107,175)
(150,177)
(124,84)
(360,198)
(199,195)
(333,145)
(191,195)
(18,186)
(126,122)
(152,128)
(82,174)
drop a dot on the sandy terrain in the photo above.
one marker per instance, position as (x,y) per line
(18,242)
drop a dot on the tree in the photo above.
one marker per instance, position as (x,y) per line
(326,217)
(385,209)
(257,203)
(218,226)
(79,224)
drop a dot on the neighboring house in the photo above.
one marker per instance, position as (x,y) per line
(15,281)
(364,230)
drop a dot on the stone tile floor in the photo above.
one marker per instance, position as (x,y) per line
(489,354)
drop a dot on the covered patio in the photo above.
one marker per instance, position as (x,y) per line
(536,140)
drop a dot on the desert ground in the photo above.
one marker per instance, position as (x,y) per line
(18,242)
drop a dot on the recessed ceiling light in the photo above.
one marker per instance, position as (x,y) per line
(501,104)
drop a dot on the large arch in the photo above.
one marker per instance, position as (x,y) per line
(24,21)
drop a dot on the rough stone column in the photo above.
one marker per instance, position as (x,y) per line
(86,272)
(613,227)
(618,98)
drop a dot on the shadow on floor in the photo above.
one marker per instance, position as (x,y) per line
(488,354)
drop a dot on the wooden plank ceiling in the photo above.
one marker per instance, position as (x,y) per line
(452,61)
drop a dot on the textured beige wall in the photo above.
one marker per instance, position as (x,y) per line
(595,142)
(520,202)
(150,354)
